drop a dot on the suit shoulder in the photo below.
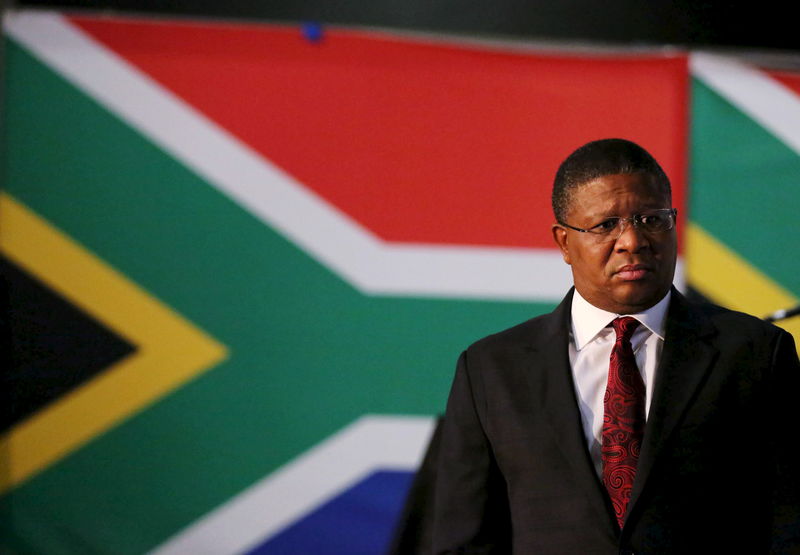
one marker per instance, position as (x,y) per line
(732,321)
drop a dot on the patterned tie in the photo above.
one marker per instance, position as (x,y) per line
(623,421)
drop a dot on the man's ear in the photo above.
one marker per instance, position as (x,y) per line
(560,237)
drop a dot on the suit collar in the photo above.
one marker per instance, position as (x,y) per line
(685,362)
(552,385)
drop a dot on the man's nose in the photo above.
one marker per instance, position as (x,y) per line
(631,238)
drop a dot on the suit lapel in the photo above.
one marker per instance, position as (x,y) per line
(553,386)
(686,359)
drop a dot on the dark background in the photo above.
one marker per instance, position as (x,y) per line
(759,25)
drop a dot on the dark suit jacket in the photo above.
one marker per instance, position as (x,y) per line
(719,470)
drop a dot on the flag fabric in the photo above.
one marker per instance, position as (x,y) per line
(744,152)
(279,241)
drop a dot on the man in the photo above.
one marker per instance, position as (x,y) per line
(628,420)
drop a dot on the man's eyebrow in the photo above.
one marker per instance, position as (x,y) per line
(602,216)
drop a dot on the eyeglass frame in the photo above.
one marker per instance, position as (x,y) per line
(633,219)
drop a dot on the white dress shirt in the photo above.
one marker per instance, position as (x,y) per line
(591,341)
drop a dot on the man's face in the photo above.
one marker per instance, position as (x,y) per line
(632,273)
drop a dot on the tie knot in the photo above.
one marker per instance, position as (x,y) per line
(624,327)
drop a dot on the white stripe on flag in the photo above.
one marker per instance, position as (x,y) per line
(333,238)
(291,492)
(767,101)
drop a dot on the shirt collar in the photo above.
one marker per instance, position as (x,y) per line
(588,320)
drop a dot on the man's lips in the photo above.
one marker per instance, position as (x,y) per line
(633,272)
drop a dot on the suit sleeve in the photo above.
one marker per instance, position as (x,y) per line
(786,416)
(471,508)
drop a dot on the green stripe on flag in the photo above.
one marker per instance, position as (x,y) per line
(308,354)
(744,188)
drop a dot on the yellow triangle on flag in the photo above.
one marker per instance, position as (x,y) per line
(724,277)
(170,350)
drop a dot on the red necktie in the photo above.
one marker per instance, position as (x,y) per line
(623,420)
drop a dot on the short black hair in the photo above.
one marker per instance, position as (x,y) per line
(599,158)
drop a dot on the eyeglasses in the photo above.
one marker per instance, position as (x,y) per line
(610,229)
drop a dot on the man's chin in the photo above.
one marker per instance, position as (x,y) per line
(636,296)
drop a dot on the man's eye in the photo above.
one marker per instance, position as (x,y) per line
(654,222)
(606,225)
